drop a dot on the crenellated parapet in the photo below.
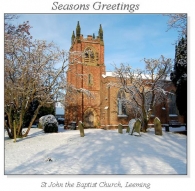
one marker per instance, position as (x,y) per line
(92,38)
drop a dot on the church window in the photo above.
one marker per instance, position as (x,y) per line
(121,103)
(172,104)
(90,79)
(89,56)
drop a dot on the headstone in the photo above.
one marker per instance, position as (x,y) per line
(48,123)
(81,128)
(157,126)
(131,124)
(136,128)
(40,125)
(120,128)
(128,129)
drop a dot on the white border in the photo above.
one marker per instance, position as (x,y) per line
(159,183)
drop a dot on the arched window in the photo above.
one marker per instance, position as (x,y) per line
(121,103)
(172,103)
(89,56)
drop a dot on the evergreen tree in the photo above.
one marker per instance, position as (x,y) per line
(179,76)
(44,110)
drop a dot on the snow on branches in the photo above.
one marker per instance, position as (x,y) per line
(35,70)
(178,21)
(144,88)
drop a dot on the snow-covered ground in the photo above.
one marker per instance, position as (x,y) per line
(99,152)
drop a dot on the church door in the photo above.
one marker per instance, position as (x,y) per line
(89,118)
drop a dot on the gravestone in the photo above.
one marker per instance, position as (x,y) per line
(40,124)
(157,126)
(128,129)
(136,128)
(131,124)
(81,128)
(48,123)
(120,128)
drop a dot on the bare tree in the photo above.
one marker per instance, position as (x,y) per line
(179,22)
(145,89)
(34,70)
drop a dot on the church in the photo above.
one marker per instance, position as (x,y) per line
(103,110)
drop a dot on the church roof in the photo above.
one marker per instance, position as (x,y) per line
(112,74)
(108,74)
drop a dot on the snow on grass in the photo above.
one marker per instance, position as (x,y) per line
(99,152)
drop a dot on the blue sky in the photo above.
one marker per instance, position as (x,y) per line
(128,38)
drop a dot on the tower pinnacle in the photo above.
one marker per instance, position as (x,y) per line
(101,32)
(72,38)
(78,30)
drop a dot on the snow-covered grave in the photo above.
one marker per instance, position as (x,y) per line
(99,152)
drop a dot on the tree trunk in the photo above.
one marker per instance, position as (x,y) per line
(20,122)
(32,120)
(14,132)
(145,124)
(9,124)
(145,120)
(10,134)
(19,130)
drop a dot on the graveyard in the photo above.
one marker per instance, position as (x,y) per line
(120,151)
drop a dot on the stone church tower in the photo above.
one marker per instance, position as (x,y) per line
(85,73)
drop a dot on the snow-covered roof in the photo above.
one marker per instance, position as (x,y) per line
(108,74)
(112,74)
